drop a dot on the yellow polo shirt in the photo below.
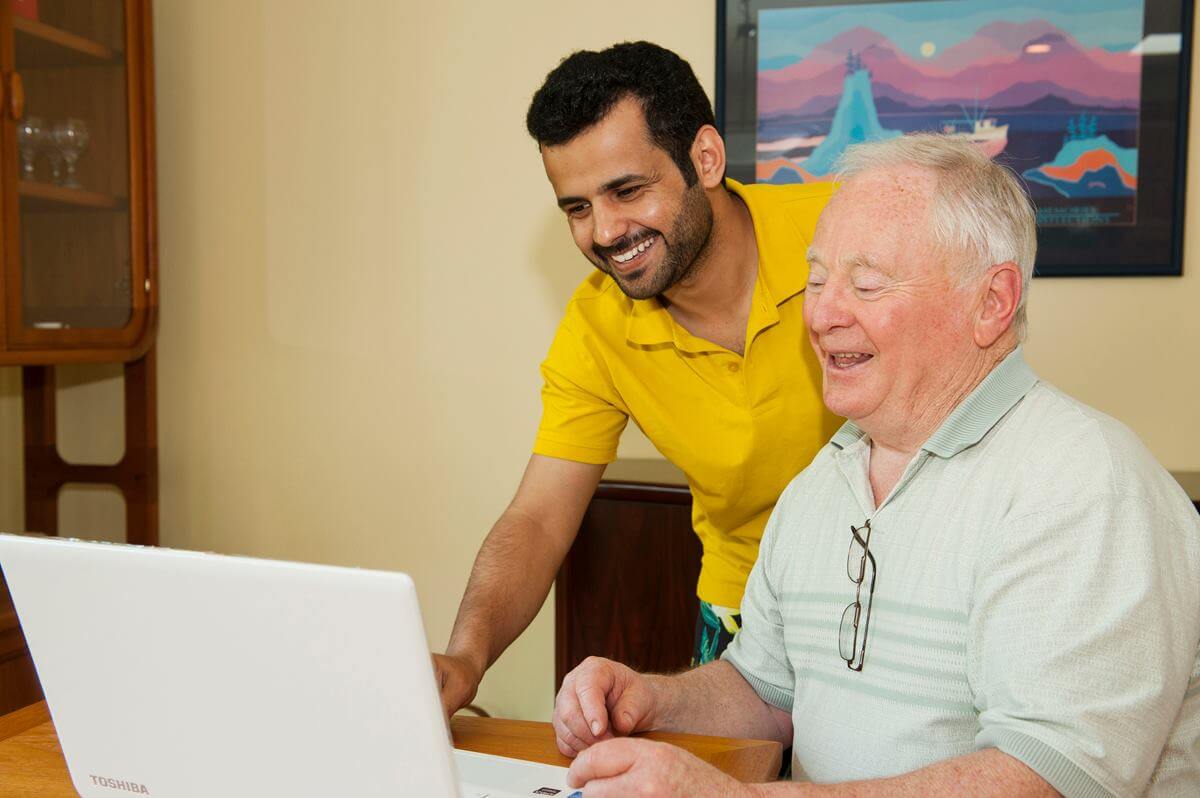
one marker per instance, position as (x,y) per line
(738,426)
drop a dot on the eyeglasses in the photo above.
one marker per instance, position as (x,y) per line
(853,616)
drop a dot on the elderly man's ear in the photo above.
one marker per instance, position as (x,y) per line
(1001,299)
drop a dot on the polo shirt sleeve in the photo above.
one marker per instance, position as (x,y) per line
(757,651)
(1083,638)
(582,414)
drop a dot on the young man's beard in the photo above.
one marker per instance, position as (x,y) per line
(683,249)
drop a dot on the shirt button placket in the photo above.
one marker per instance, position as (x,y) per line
(737,373)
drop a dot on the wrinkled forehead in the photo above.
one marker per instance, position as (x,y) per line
(877,214)
(897,190)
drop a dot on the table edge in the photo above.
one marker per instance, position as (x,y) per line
(732,755)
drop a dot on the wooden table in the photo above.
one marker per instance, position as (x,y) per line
(32,765)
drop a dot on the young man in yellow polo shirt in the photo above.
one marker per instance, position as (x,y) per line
(691,327)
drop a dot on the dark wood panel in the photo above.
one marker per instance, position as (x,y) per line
(627,589)
(19,685)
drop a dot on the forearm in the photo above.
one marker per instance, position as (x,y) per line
(985,774)
(714,699)
(509,582)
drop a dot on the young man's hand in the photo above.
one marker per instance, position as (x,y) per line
(458,679)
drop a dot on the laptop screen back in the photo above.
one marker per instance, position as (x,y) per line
(183,674)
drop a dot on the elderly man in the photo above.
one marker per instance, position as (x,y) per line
(980,586)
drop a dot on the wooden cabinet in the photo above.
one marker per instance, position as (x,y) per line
(80,273)
(627,588)
(78,252)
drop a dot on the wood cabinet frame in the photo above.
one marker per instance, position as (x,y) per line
(20,345)
(37,351)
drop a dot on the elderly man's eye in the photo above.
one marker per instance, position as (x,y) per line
(814,284)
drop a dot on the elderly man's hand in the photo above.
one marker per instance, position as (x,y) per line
(598,699)
(626,767)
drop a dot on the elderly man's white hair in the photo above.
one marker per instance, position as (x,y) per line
(980,213)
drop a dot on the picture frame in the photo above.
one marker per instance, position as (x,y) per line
(1086,101)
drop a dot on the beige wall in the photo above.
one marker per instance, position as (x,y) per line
(362,267)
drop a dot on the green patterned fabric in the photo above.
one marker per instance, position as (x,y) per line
(715,629)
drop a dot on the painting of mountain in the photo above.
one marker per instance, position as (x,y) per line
(1049,57)
(1089,166)
(855,120)
(1052,89)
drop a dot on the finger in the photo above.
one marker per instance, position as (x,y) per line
(560,741)
(567,742)
(439,673)
(570,745)
(564,749)
(622,786)
(592,704)
(632,707)
(605,760)
(451,697)
(451,703)
(568,711)
(572,740)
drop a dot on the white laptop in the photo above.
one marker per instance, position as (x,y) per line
(178,674)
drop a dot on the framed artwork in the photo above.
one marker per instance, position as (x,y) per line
(1086,100)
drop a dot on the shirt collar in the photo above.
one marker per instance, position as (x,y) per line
(975,416)
(782,250)
(782,273)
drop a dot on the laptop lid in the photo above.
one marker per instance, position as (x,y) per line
(180,674)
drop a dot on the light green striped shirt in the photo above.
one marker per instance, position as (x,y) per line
(1038,591)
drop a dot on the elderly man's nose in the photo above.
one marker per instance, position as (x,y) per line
(828,310)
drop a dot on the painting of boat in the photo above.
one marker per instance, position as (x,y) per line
(982,131)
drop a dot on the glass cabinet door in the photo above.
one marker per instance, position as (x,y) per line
(73,275)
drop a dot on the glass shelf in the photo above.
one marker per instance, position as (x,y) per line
(41,45)
(37,196)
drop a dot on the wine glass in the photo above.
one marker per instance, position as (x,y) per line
(53,154)
(71,138)
(30,133)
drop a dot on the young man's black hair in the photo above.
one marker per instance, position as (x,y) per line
(587,84)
